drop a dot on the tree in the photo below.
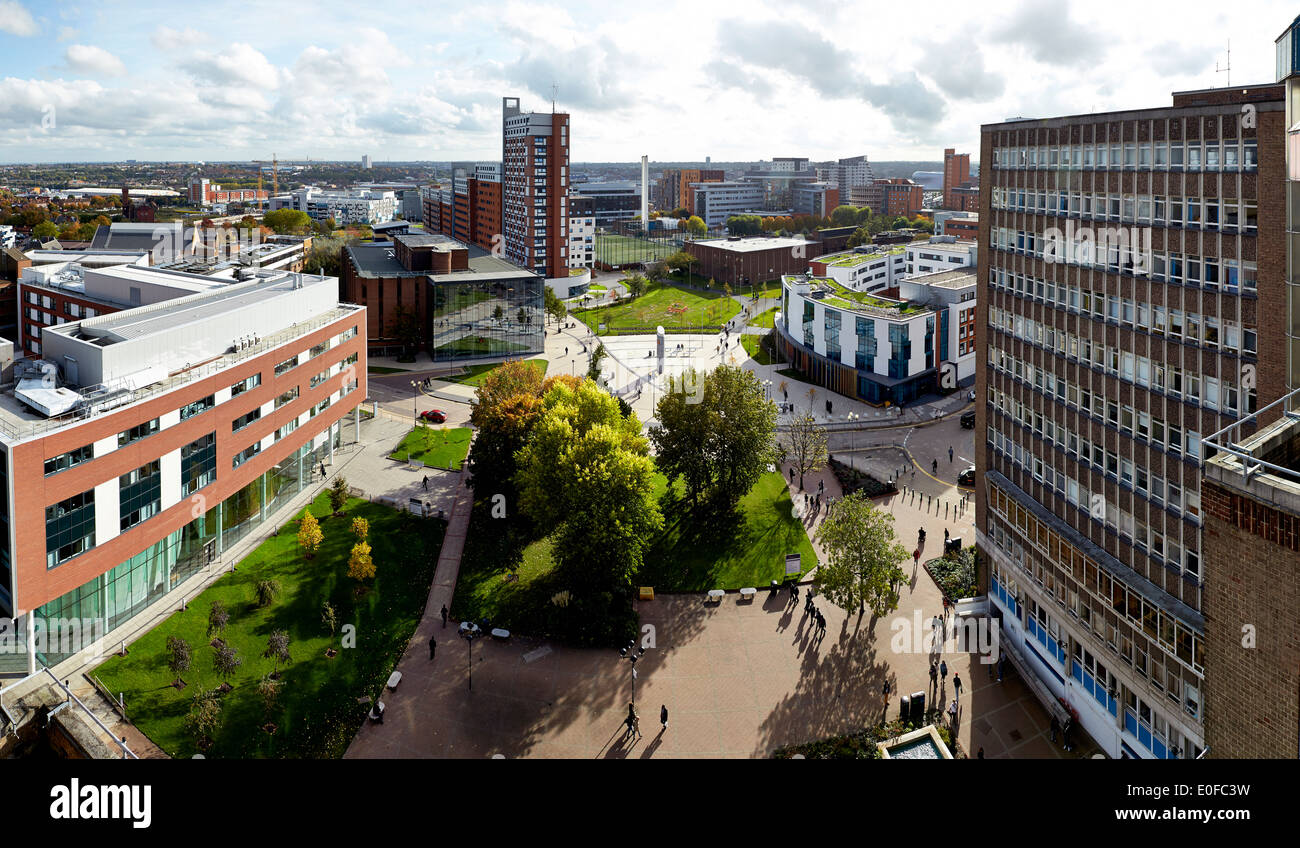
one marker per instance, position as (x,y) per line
(862,556)
(636,285)
(406,329)
(339,494)
(361,528)
(218,619)
(269,690)
(329,618)
(681,261)
(554,307)
(204,718)
(586,472)
(744,225)
(288,221)
(597,356)
(309,535)
(179,657)
(680,212)
(277,649)
(717,436)
(361,566)
(267,591)
(845,216)
(497,313)
(225,661)
(506,405)
(806,445)
(45,231)
(695,226)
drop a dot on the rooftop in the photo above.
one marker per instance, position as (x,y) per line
(379,259)
(958,279)
(833,294)
(755,243)
(852,258)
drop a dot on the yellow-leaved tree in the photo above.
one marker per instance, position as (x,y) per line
(309,535)
(360,565)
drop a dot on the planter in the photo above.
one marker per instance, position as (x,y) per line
(269,728)
(330,653)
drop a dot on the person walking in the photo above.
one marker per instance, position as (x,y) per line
(663,715)
(934,675)
(444,616)
(934,466)
(979,755)
(1053,728)
(1002,662)
(952,713)
(950,453)
(943,671)
(425,482)
(433,646)
(956,684)
(1065,733)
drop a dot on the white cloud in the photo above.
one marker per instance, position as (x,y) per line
(166,38)
(89,60)
(238,64)
(68,34)
(16,20)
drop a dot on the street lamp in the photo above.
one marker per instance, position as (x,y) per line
(853,436)
(632,653)
(767,390)
(415,394)
(469,631)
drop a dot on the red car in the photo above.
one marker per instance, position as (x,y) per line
(433,416)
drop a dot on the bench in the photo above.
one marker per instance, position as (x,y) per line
(715,595)
(394,679)
(501,633)
(748,593)
(647,593)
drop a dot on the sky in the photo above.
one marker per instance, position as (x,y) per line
(677,81)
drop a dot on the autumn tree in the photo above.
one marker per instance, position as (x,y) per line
(309,535)
(277,649)
(505,407)
(204,718)
(226,661)
(361,566)
(361,528)
(805,443)
(863,556)
(218,619)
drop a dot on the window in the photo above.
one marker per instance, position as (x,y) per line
(140,495)
(324,375)
(287,397)
(69,528)
(201,405)
(318,349)
(286,366)
(64,461)
(246,454)
(244,385)
(137,433)
(286,429)
(198,464)
(244,420)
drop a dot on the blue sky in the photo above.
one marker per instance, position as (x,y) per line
(675,80)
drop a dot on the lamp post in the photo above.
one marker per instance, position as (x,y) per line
(415,394)
(767,390)
(632,653)
(469,631)
(853,436)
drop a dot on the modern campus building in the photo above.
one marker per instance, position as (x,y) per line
(467,303)
(582,232)
(203,192)
(716,202)
(777,181)
(612,201)
(818,199)
(866,268)
(346,207)
(751,260)
(876,348)
(535,188)
(940,253)
(675,189)
(1134,266)
(143,443)
(469,211)
(847,173)
(956,175)
(896,196)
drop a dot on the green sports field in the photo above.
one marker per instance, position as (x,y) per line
(614,249)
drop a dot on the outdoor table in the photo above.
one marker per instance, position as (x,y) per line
(716,595)
(394,679)
(748,592)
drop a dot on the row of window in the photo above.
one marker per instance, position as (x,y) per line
(1191,155)
(1158,210)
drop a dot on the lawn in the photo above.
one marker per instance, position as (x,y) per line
(477,346)
(696,552)
(474,374)
(676,309)
(318,712)
(765,319)
(384,369)
(792,374)
(692,554)
(614,249)
(753,346)
(435,447)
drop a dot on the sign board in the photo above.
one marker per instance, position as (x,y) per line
(792,564)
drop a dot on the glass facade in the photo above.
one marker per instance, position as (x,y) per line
(490,318)
(113,598)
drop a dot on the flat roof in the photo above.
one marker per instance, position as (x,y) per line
(961,279)
(749,245)
(379,259)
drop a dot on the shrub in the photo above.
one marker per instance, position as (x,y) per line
(954,574)
(267,592)
(360,565)
(179,655)
(309,534)
(361,528)
(339,495)
(218,618)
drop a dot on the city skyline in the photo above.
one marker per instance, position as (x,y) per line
(85,84)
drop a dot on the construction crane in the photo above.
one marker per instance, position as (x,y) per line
(275,178)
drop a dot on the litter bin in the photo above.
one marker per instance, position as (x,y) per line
(918,707)
(905,708)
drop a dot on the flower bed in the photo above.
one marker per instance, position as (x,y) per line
(851,480)
(954,574)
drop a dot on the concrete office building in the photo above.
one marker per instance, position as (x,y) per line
(143,443)
(716,202)
(676,187)
(847,173)
(818,199)
(940,253)
(1106,367)
(866,268)
(582,231)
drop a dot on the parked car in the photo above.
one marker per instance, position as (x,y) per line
(433,416)
(968,419)
(967,477)
(971,396)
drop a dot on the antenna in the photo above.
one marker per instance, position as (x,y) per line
(555,89)
(1227,68)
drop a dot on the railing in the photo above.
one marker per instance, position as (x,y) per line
(19,429)
(1226,441)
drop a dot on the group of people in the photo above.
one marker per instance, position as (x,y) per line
(1064,730)
(633,721)
(809,608)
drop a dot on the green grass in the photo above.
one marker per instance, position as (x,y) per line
(765,319)
(752,346)
(383,369)
(318,713)
(658,308)
(437,448)
(792,374)
(467,347)
(615,249)
(697,552)
(475,374)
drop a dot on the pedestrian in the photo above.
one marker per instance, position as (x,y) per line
(956,684)
(792,475)
(1002,661)
(425,482)
(433,646)
(943,670)
(945,606)
(934,466)
(566,351)
(886,689)
(1053,728)
(952,712)
(1065,733)
(979,755)
(950,454)
(322,470)
(663,715)
(934,674)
